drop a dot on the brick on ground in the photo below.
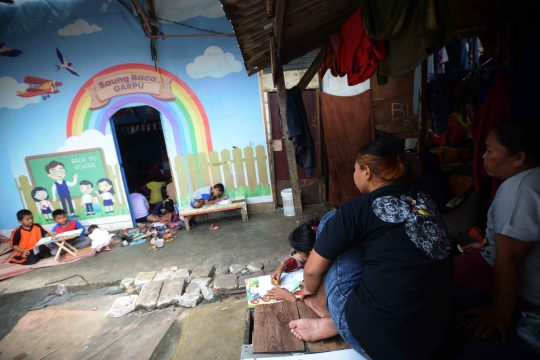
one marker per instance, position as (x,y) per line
(171,292)
(255,266)
(226,282)
(149,296)
(203,271)
(223,270)
(144,277)
(122,306)
(236,269)
(180,273)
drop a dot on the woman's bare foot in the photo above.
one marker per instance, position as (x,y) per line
(312,330)
(317,304)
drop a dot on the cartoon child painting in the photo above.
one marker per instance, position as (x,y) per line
(86,188)
(56,171)
(106,192)
(42,201)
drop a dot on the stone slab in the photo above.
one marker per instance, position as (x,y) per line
(122,306)
(223,270)
(207,293)
(203,271)
(190,299)
(180,273)
(226,282)
(171,292)
(144,277)
(236,269)
(202,281)
(170,269)
(255,266)
(132,290)
(149,296)
(193,288)
(163,276)
(128,281)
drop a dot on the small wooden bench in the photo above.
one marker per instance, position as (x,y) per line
(237,203)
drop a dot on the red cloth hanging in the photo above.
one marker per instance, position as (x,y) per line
(357,56)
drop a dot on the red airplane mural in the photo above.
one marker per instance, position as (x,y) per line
(39,86)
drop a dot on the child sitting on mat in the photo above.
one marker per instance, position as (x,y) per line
(24,239)
(302,240)
(207,195)
(101,239)
(64,224)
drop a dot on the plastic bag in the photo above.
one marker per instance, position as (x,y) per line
(61,290)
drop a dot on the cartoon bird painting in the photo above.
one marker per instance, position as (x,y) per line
(5,51)
(65,64)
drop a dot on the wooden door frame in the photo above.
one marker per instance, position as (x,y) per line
(321,163)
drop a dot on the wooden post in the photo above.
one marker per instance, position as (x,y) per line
(279,24)
(313,69)
(289,146)
(422,133)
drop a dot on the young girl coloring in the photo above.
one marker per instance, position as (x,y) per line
(42,199)
(106,192)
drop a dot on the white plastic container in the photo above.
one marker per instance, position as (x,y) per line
(288,205)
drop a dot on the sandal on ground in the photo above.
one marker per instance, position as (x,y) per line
(153,248)
(214,227)
(107,248)
(170,239)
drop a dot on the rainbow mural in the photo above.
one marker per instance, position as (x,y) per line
(185,112)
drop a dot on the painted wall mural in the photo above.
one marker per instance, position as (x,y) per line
(61,81)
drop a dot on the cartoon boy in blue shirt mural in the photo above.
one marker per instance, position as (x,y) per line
(56,171)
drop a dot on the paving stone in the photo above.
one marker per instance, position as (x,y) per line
(180,273)
(226,282)
(170,292)
(207,293)
(224,270)
(128,281)
(170,269)
(132,290)
(242,279)
(203,271)
(255,266)
(236,269)
(271,265)
(193,288)
(202,281)
(163,276)
(190,299)
(144,277)
(122,306)
(149,296)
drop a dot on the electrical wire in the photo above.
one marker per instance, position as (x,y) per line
(191,27)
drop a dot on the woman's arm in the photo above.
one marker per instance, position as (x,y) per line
(314,271)
(507,275)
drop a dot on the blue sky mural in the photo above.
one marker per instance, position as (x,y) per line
(94,35)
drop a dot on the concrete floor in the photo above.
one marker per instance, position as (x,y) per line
(263,238)
(205,332)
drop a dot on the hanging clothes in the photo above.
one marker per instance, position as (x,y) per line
(299,132)
(348,125)
(497,106)
(354,54)
(414,30)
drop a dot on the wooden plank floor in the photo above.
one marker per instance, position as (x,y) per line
(271,332)
(332,344)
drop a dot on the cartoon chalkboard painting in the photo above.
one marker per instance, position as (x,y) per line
(106,192)
(57,171)
(86,188)
(40,195)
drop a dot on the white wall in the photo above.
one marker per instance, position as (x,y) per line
(339,87)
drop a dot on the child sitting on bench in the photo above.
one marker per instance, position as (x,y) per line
(207,195)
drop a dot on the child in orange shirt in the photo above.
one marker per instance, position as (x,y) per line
(24,239)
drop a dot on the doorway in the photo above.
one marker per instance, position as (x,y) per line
(141,148)
(313,188)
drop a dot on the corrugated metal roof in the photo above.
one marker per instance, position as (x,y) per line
(301,63)
(307,25)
